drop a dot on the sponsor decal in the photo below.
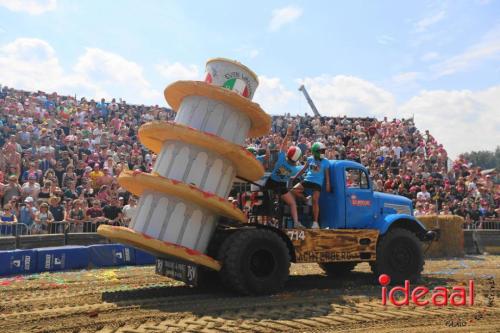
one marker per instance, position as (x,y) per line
(360,203)
(27,263)
(178,270)
(237,85)
(238,82)
(311,256)
(48,259)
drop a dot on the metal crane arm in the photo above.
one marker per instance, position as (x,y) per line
(309,100)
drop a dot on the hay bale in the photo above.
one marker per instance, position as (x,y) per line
(451,242)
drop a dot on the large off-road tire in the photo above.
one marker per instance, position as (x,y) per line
(335,269)
(399,255)
(254,262)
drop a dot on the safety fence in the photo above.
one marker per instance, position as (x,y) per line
(486,224)
(19,229)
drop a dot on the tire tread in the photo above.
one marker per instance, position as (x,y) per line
(381,248)
(231,252)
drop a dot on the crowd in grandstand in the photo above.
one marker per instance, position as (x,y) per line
(61,156)
(401,160)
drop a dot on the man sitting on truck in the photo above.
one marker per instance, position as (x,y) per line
(317,167)
(285,168)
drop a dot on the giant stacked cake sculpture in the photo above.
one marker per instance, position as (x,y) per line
(199,155)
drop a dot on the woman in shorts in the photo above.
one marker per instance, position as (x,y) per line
(285,168)
(317,167)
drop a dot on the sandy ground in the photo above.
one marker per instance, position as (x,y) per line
(134,299)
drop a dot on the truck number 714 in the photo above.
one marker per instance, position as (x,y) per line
(296,234)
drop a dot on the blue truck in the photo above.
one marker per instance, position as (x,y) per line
(358,224)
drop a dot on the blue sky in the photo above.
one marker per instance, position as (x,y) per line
(438,61)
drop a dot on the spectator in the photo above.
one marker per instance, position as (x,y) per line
(8,220)
(76,216)
(45,192)
(45,163)
(113,212)
(57,211)
(11,190)
(104,194)
(423,195)
(31,173)
(43,219)
(106,179)
(474,218)
(95,215)
(50,176)
(31,188)
(86,190)
(70,191)
(95,176)
(27,212)
(445,210)
(59,172)
(69,176)
(130,210)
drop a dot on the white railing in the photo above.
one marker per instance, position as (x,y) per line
(486,224)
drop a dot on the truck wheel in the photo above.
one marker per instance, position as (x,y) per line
(337,268)
(254,262)
(399,255)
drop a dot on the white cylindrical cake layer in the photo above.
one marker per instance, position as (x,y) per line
(232,76)
(169,219)
(194,165)
(215,117)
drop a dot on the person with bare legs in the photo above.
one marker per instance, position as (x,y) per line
(317,167)
(285,168)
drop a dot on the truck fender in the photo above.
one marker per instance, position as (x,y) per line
(404,221)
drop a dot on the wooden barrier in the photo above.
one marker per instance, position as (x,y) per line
(35,241)
(451,241)
(471,243)
(490,240)
(85,238)
(7,243)
(482,241)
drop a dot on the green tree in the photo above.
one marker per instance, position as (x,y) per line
(484,158)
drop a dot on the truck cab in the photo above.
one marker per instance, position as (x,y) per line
(354,204)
